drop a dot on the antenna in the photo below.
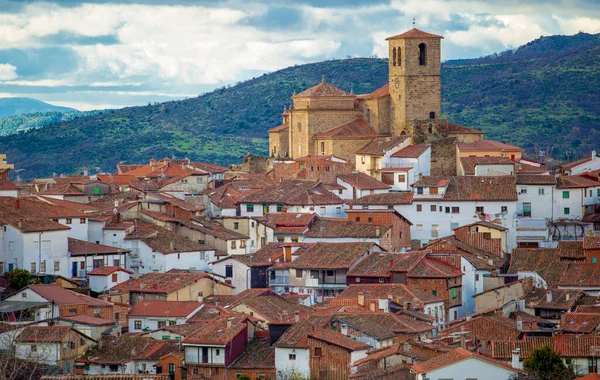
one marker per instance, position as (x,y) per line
(414,21)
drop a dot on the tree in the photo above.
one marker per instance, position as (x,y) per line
(545,364)
(19,278)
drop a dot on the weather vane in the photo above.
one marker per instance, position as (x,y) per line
(414,21)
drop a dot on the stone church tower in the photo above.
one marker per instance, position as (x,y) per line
(414,78)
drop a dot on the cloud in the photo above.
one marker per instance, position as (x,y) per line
(7,72)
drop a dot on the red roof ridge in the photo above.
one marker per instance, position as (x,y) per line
(414,33)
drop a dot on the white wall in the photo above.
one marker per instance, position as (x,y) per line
(241,273)
(321,210)
(151,323)
(287,366)
(47,353)
(95,231)
(470,368)
(494,170)
(539,202)
(193,354)
(101,283)
(151,261)
(78,229)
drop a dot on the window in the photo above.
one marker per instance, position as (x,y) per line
(137,325)
(292,356)
(504,209)
(69,221)
(598,192)
(201,241)
(73,344)
(32,267)
(399,57)
(57,266)
(541,191)
(82,342)
(419,190)
(294,240)
(98,263)
(280,240)
(394,56)
(432,115)
(357,279)
(422,54)
(322,148)
(199,180)
(369,219)
(419,208)
(381,280)
(23,295)
(567,210)
(318,351)
(453,226)
(592,365)
(43,266)
(433,190)
(453,293)
(362,159)
(357,219)
(401,178)
(566,194)
(228,270)
(523,190)
(33,348)
(455,210)
(172,323)
(419,227)
(487,235)
(72,311)
(236,225)
(298,273)
(233,244)
(242,243)
(479,209)
(476,277)
(279,209)
(116,262)
(162,324)
(435,230)
(330,273)
(594,260)
(527,209)
(250,208)
(115,277)
(434,292)
(447,210)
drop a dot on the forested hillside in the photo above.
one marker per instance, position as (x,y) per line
(543,96)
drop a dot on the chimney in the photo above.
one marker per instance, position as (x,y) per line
(463,343)
(297,316)
(516,358)
(468,316)
(200,297)
(406,347)
(490,262)
(522,304)
(534,325)
(593,155)
(372,306)
(549,296)
(361,299)
(17,204)
(20,224)
(172,245)
(567,296)
(229,322)
(377,231)
(519,324)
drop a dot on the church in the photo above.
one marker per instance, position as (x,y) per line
(325,120)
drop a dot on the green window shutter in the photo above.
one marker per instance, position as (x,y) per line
(594,260)
(96,191)
(566,194)
(453,293)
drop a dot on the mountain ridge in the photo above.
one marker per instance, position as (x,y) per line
(543,96)
(14,106)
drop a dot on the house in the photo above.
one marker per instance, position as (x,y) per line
(411,163)
(346,231)
(224,200)
(441,204)
(213,234)
(154,248)
(210,351)
(103,278)
(87,257)
(155,314)
(283,227)
(499,296)
(357,185)
(575,196)
(487,236)
(54,345)
(170,205)
(278,273)
(270,307)
(257,361)
(400,238)
(172,286)
(321,270)
(581,165)
(488,148)
(7,188)
(458,362)
(321,168)
(92,327)
(375,156)
(311,349)
(293,196)
(483,329)
(62,302)
(126,355)
(550,303)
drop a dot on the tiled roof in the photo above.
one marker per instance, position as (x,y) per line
(544,261)
(431,268)
(338,339)
(573,163)
(572,249)
(325,228)
(565,345)
(121,179)
(414,33)
(160,282)
(362,181)
(174,201)
(123,349)
(322,89)
(454,356)
(400,293)
(357,128)
(240,298)
(274,307)
(88,320)
(484,223)
(34,215)
(62,189)
(108,270)
(43,334)
(61,296)
(281,222)
(162,240)
(469,163)
(160,308)
(479,258)
(582,323)
(487,145)
(280,128)
(208,167)
(209,312)
(381,92)
(79,207)
(258,355)
(562,299)
(160,216)
(296,335)
(411,151)
(216,331)
(82,247)
(592,218)
(382,264)
(380,145)
(575,182)
(5,184)
(461,129)
(591,242)
(382,325)
(390,199)
(473,188)
(331,255)
(294,193)
(581,275)
(533,179)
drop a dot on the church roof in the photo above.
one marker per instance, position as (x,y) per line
(322,89)
(357,128)
(379,93)
(414,33)
(282,127)
(461,129)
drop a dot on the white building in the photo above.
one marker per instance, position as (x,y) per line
(103,278)
(574,196)
(417,157)
(86,257)
(357,185)
(582,165)
(152,315)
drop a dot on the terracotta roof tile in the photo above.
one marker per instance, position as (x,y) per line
(280,128)
(381,92)
(414,33)
(575,182)
(43,334)
(274,307)
(216,331)
(582,323)
(533,179)
(162,240)
(296,335)
(322,89)
(160,282)
(591,242)
(472,188)
(123,349)
(454,356)
(382,264)
(400,293)
(258,355)
(357,128)
(338,339)
(332,255)
(411,151)
(159,308)
(390,199)
(88,320)
(82,247)
(362,181)
(108,270)
(325,228)
(461,129)
(380,145)
(487,145)
(562,299)
(294,193)
(470,163)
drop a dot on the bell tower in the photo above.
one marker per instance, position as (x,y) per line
(414,77)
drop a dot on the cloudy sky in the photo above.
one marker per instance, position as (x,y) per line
(103,53)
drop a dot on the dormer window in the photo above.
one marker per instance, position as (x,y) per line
(419,190)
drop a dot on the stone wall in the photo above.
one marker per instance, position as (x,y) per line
(443,157)
(376,112)
(279,143)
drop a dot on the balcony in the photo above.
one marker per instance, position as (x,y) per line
(331,285)
(279,280)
